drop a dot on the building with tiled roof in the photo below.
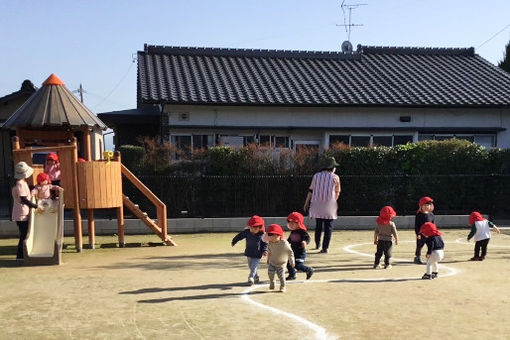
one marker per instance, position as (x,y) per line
(372,96)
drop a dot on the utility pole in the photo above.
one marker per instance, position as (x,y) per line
(81,91)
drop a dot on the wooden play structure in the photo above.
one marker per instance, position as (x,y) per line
(88,184)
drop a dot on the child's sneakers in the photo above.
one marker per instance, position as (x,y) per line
(377,266)
(271,285)
(387,266)
(257,279)
(282,289)
(434,275)
(251,281)
(290,277)
(474,258)
(426,277)
(309,273)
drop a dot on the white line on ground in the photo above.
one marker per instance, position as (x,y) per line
(320,332)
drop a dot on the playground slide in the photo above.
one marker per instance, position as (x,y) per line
(43,244)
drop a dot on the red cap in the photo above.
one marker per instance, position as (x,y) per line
(298,218)
(43,177)
(429,229)
(385,216)
(425,200)
(275,229)
(53,156)
(475,216)
(256,221)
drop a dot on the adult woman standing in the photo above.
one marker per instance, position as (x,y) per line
(322,200)
(21,203)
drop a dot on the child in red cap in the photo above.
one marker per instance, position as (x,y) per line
(279,253)
(52,168)
(383,233)
(255,246)
(298,240)
(481,230)
(42,192)
(435,251)
(423,215)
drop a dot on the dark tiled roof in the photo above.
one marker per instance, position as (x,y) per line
(389,76)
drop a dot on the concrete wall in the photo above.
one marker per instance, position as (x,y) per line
(213,225)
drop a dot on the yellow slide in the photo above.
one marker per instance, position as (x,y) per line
(43,244)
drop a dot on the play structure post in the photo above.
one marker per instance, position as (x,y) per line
(120,211)
(90,212)
(77,216)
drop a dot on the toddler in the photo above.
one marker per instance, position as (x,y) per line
(42,192)
(279,253)
(298,240)
(481,230)
(423,215)
(255,246)
(52,168)
(435,252)
(383,233)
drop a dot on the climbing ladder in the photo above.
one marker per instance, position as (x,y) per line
(160,228)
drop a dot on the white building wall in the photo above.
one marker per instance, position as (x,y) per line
(345,119)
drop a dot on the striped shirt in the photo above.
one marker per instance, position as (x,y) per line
(325,185)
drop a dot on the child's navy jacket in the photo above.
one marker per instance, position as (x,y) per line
(255,247)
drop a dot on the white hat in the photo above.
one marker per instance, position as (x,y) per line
(22,170)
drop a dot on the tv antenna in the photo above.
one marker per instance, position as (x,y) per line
(346,45)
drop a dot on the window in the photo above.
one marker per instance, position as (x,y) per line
(186,143)
(265,140)
(382,140)
(281,142)
(247,140)
(487,141)
(182,143)
(360,140)
(336,139)
(274,141)
(401,140)
(370,140)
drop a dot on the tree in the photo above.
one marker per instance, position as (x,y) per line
(505,63)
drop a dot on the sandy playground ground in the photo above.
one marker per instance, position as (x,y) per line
(198,291)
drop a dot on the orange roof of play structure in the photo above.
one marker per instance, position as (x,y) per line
(53,80)
(53,105)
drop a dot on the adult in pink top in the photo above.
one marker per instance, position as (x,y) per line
(21,203)
(321,201)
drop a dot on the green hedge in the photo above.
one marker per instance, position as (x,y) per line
(460,175)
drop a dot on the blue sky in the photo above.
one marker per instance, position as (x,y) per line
(94,42)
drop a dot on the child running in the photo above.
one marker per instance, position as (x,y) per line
(481,230)
(435,252)
(384,231)
(255,246)
(42,191)
(423,215)
(298,240)
(279,253)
